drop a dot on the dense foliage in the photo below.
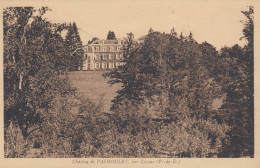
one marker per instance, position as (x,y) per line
(74,46)
(181,80)
(111,35)
(238,84)
(34,66)
(166,107)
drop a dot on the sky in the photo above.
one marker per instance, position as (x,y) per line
(217,22)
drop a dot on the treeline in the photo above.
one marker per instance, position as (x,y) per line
(166,106)
(36,61)
(179,81)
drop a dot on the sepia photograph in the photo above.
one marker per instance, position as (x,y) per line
(122,79)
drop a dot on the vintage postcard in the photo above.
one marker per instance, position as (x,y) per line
(129,83)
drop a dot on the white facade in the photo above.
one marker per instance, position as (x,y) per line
(102,55)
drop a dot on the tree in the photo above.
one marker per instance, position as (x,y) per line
(74,46)
(181,36)
(34,67)
(190,37)
(161,67)
(111,35)
(238,84)
(150,30)
(173,32)
(170,80)
(248,30)
(92,40)
(126,74)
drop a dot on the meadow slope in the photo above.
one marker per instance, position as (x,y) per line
(93,85)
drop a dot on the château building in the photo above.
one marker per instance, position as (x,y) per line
(102,55)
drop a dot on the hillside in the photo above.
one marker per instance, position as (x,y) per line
(94,86)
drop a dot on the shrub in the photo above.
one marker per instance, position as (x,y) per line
(15,144)
(132,133)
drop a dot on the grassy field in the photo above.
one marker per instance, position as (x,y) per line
(93,85)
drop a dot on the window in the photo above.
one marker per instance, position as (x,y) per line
(97,65)
(97,56)
(104,65)
(110,56)
(97,48)
(118,48)
(117,56)
(104,48)
(117,64)
(104,56)
(111,65)
(111,48)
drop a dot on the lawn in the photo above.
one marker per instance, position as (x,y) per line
(93,85)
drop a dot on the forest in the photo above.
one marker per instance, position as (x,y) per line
(166,107)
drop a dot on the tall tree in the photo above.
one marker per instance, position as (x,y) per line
(159,66)
(173,32)
(172,78)
(33,65)
(238,84)
(111,35)
(74,46)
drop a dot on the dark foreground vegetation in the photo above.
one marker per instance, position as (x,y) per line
(165,107)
